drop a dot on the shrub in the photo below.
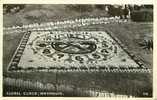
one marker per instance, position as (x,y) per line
(102,67)
(73,68)
(113,11)
(52,67)
(100,6)
(136,7)
(30,68)
(80,7)
(9,7)
(147,44)
(142,16)
(83,68)
(92,68)
(41,68)
(148,6)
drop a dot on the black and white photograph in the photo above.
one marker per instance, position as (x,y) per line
(78,50)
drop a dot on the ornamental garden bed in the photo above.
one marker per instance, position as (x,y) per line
(70,51)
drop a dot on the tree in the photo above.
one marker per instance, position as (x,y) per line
(126,12)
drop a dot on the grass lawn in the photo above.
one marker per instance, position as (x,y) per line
(122,83)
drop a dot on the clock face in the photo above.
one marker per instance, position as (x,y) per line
(83,47)
(57,49)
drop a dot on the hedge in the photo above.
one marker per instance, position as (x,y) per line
(142,16)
